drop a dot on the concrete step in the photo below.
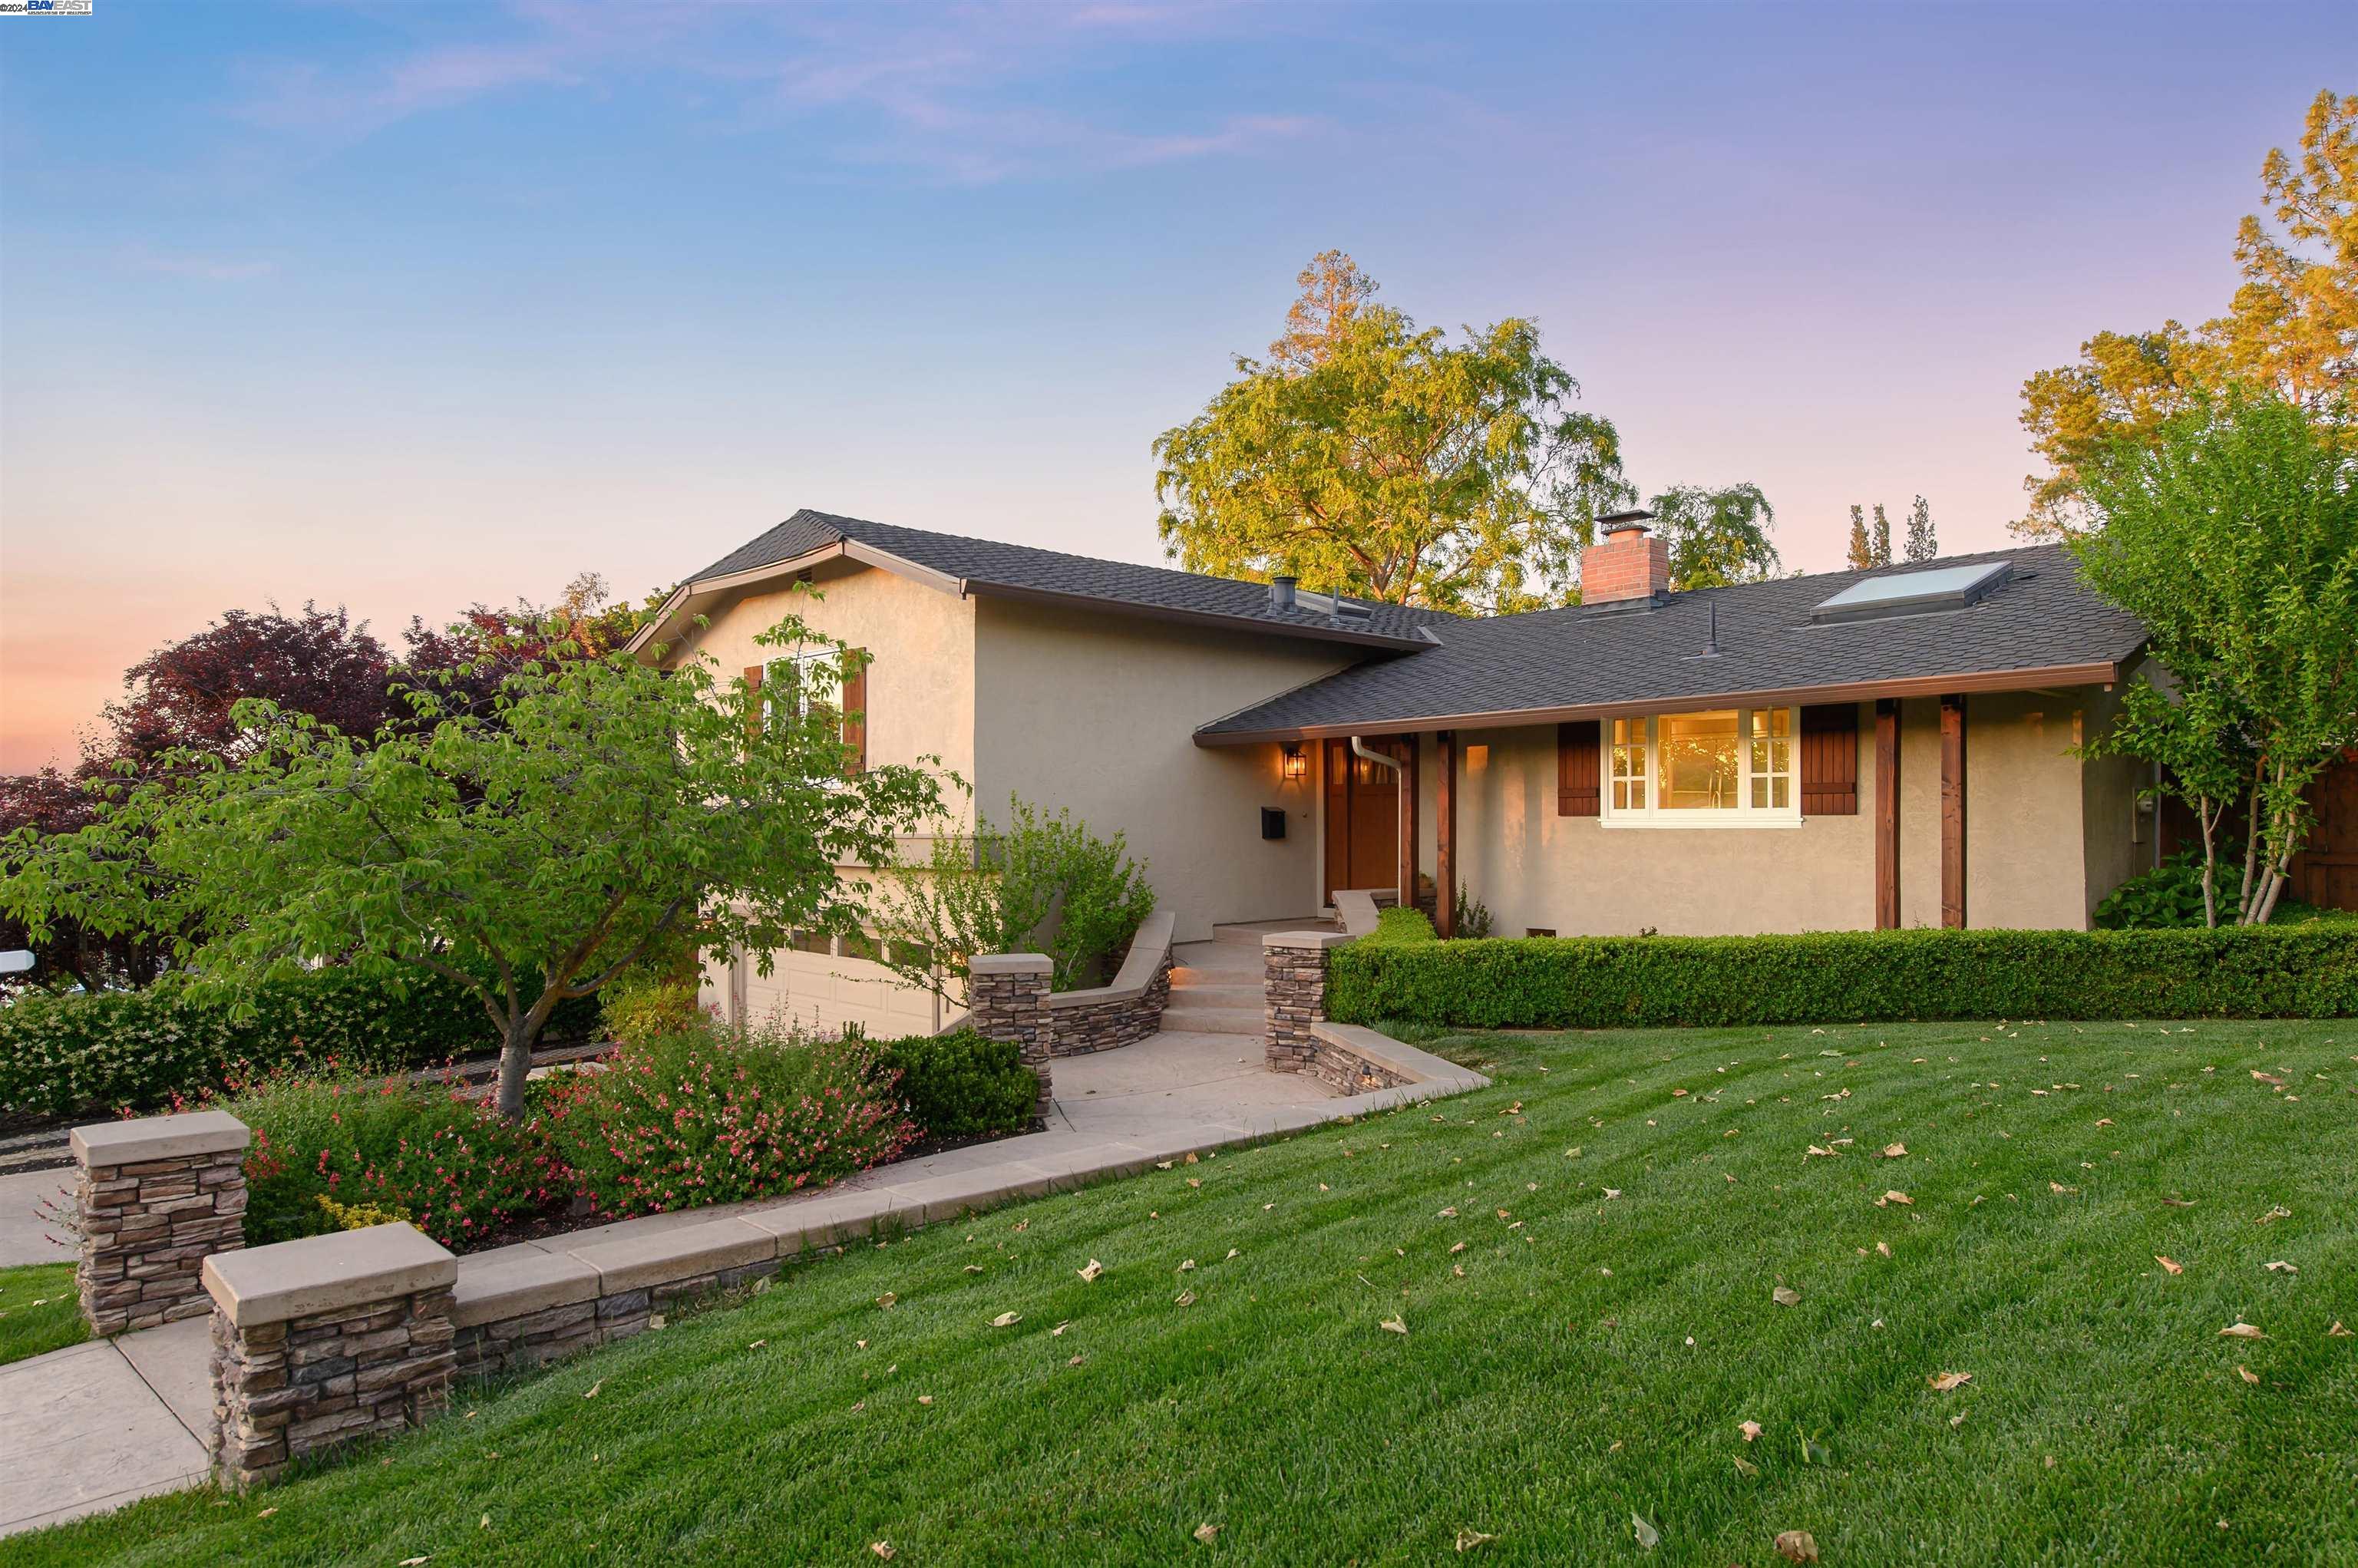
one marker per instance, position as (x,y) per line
(1212,1020)
(1215,992)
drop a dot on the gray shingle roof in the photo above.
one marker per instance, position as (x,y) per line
(987,563)
(2042,617)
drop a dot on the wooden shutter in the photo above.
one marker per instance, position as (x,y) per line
(1830,760)
(1577,748)
(855,712)
(753,692)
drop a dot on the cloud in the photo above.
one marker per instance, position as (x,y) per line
(949,93)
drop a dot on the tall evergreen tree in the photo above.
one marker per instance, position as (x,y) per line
(1882,536)
(1921,544)
(1862,551)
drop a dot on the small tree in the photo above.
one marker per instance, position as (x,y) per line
(1923,544)
(532,855)
(1041,879)
(2233,535)
(1717,537)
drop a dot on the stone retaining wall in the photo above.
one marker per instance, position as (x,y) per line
(1082,1025)
(1347,1072)
(153,1199)
(325,1341)
(1007,999)
(1294,988)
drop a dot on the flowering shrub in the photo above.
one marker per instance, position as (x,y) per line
(449,1165)
(696,1117)
(62,1055)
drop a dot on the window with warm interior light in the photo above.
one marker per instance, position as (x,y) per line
(1722,767)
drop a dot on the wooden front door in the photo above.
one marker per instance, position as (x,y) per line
(2325,872)
(1362,821)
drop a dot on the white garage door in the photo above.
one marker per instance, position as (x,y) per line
(822,990)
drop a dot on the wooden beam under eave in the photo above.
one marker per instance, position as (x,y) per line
(1444,833)
(1886,814)
(1953,810)
(1408,785)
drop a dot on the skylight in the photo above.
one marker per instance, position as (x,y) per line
(1914,593)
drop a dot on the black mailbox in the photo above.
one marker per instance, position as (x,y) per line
(1272,822)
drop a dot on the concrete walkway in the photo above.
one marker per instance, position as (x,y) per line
(95,1427)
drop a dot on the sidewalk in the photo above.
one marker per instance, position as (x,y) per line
(97,1425)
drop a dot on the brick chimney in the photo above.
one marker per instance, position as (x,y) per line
(1628,565)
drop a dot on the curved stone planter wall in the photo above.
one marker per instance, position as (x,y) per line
(1121,1013)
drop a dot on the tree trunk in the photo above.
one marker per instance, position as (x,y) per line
(2210,863)
(516,1062)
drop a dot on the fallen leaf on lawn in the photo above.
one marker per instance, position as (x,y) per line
(1022,1225)
(1455,1250)
(974,1268)
(412,1562)
(1883,1248)
(1193,1182)
(1189,1160)
(1449,1213)
(1898,1197)
(1648,1536)
(1678,1094)
(1797,1546)
(594,1387)
(1204,1532)
(1816,1150)
(1785,1295)
(1750,1429)
(1233,1253)
(265,1513)
(2280,1268)
(882,1548)
(2277,1213)
(1613,1192)
(1007,1320)
(1185,1266)
(1744,1467)
(924,1398)
(1164,1164)
(1184,1298)
(1090,1274)
(2104,1121)
(1325,1188)
(757,1345)
(1958,1420)
(2174,1267)
(2260,1076)
(2179,1203)
(1393,1325)
(2248,1375)
(2060,1187)
(1943,1381)
(1467,1539)
(2241,1331)
(887,1298)
(2336,1331)
(1894,1150)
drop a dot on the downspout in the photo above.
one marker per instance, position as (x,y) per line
(1403,895)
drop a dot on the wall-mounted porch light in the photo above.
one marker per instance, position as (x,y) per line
(1296,765)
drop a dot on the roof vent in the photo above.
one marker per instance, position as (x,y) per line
(1281,592)
(1914,593)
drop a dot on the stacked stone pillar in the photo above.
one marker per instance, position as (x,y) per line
(1007,997)
(1293,991)
(326,1341)
(154,1198)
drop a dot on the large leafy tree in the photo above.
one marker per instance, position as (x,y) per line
(1372,456)
(532,855)
(2292,327)
(2231,533)
(1717,537)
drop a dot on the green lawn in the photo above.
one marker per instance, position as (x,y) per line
(38,1310)
(1583,1258)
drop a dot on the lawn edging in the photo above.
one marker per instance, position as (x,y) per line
(1601,982)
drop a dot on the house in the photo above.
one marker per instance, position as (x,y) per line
(1856,750)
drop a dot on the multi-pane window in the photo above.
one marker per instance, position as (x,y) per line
(792,685)
(1721,767)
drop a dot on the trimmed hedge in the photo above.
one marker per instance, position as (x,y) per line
(961,1085)
(1600,982)
(65,1054)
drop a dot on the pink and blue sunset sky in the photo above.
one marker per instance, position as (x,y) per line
(404,305)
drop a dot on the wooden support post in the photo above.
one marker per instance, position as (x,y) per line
(1952,811)
(1886,814)
(1407,750)
(1444,834)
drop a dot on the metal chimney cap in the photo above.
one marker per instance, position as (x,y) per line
(1621,521)
(1280,592)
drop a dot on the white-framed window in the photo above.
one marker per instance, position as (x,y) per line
(1726,767)
(791,683)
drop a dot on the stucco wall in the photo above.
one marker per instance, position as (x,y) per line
(920,645)
(2119,840)
(1098,713)
(2040,837)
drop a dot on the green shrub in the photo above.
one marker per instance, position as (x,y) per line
(64,1054)
(448,1164)
(635,1009)
(2307,971)
(701,1117)
(1473,917)
(960,1084)
(2170,896)
(1401,924)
